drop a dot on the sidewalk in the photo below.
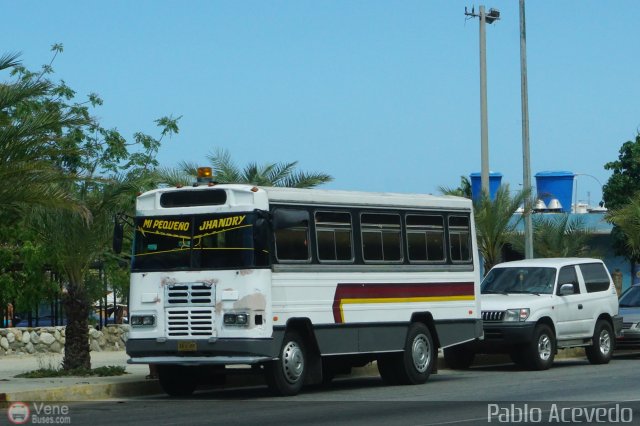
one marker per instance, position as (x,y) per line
(72,388)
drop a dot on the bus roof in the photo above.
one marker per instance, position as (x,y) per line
(360,198)
(248,196)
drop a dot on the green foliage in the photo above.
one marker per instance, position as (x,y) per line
(63,177)
(32,123)
(107,371)
(495,226)
(558,235)
(626,218)
(464,190)
(267,174)
(22,267)
(623,184)
(225,170)
(625,178)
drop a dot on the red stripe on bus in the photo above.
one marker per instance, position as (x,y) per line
(396,291)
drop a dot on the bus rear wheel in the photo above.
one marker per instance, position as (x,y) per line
(414,365)
(285,376)
(418,357)
(176,380)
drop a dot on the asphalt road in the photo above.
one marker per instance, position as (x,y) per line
(450,397)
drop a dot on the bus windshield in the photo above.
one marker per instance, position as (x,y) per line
(196,242)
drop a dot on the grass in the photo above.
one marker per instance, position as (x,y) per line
(110,370)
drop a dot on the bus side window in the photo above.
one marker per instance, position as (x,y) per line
(334,236)
(381,238)
(459,238)
(425,238)
(292,235)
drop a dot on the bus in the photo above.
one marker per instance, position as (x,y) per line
(298,284)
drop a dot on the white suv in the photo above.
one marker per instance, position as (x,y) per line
(530,308)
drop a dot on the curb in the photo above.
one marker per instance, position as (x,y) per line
(85,392)
(132,388)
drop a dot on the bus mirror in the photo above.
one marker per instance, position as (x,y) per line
(118,232)
(285,218)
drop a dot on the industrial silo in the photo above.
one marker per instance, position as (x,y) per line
(555,189)
(495,179)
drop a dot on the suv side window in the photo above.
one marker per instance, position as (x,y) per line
(567,275)
(595,277)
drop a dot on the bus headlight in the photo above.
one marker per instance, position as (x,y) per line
(514,315)
(239,319)
(142,320)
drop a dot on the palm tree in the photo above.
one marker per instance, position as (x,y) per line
(464,190)
(496,223)
(558,236)
(29,139)
(627,219)
(225,170)
(77,243)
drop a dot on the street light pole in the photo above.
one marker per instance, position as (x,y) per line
(484,132)
(575,195)
(485,18)
(526,160)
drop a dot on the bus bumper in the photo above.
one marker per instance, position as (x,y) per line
(202,352)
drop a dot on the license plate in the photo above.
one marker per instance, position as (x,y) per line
(187,346)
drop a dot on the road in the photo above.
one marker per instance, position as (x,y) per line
(450,397)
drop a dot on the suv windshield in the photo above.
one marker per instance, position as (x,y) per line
(630,298)
(532,280)
(209,241)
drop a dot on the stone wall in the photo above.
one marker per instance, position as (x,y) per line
(24,340)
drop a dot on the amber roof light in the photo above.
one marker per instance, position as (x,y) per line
(205,172)
(205,175)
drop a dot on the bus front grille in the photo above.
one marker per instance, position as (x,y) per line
(190,322)
(190,294)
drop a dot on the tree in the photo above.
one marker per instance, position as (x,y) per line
(496,223)
(226,171)
(29,140)
(78,243)
(626,218)
(464,190)
(625,178)
(558,235)
(622,186)
(97,170)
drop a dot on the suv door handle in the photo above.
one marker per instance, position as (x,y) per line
(580,306)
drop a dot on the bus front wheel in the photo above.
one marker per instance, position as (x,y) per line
(176,380)
(285,376)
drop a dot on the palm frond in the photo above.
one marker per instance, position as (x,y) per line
(224,168)
(495,224)
(9,60)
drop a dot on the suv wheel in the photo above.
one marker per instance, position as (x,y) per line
(601,349)
(540,353)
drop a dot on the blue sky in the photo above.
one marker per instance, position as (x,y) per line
(382,95)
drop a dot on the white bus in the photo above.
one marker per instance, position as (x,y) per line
(301,284)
